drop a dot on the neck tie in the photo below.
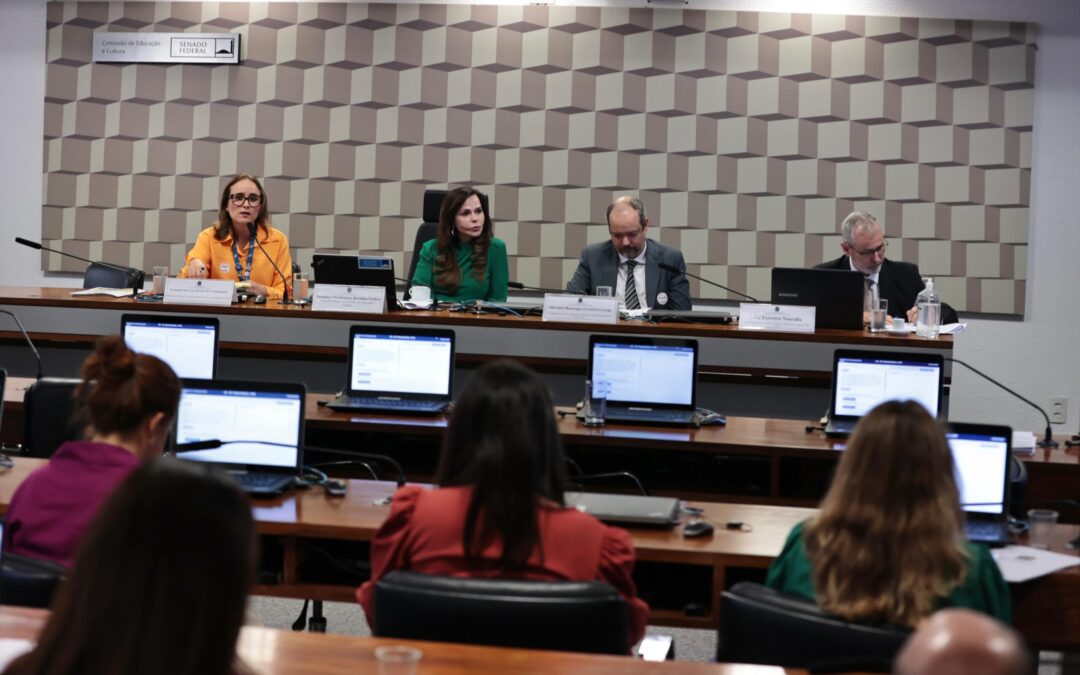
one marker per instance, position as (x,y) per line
(868,296)
(632,301)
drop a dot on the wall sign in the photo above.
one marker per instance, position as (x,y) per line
(166,47)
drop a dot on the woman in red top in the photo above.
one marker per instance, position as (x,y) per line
(499,510)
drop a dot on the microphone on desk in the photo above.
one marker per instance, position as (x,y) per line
(1048,440)
(287,279)
(137,277)
(29,342)
(363,455)
(675,270)
(518,286)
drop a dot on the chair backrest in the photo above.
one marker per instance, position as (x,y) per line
(29,582)
(760,625)
(109,277)
(48,407)
(580,616)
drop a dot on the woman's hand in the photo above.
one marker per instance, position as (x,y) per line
(196,269)
(256,289)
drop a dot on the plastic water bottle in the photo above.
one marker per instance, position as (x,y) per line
(928,324)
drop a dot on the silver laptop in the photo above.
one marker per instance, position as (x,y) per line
(981,453)
(629,509)
(864,379)
(645,380)
(188,344)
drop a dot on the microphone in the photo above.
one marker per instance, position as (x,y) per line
(518,286)
(29,342)
(1048,440)
(284,294)
(675,270)
(137,277)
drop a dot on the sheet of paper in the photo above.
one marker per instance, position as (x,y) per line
(953,328)
(1022,563)
(111,292)
(11,649)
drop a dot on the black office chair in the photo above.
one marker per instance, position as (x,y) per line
(48,412)
(29,582)
(110,277)
(1018,482)
(580,616)
(760,625)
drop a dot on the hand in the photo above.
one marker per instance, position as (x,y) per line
(257,289)
(913,314)
(197,270)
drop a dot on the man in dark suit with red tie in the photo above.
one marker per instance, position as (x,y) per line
(863,241)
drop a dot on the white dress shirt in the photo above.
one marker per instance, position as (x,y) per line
(639,280)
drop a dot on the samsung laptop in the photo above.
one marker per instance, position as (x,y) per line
(627,509)
(863,379)
(837,295)
(357,270)
(254,430)
(645,380)
(188,344)
(398,369)
(982,453)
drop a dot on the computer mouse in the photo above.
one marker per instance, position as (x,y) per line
(260,299)
(697,528)
(713,419)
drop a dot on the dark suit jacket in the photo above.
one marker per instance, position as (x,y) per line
(899,283)
(599,266)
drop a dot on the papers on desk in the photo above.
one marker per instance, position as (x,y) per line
(413,304)
(11,649)
(111,292)
(1023,442)
(1023,563)
(952,328)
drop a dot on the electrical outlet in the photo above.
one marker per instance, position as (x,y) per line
(1059,409)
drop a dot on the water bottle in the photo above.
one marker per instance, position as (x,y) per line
(928,324)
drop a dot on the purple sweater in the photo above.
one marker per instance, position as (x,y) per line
(54,505)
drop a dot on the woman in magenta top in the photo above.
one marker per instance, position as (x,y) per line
(499,510)
(127,402)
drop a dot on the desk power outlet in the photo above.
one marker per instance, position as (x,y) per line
(1059,410)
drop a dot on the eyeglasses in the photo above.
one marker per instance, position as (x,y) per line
(238,199)
(871,252)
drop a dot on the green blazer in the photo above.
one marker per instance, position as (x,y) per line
(493,287)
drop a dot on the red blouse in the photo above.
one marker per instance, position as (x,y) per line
(423,533)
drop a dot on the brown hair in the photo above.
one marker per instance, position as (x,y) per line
(888,542)
(223,226)
(121,389)
(448,272)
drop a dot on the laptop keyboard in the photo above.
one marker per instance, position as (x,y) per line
(261,482)
(401,404)
(985,530)
(658,416)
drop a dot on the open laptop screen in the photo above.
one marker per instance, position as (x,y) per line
(406,362)
(651,374)
(188,344)
(863,380)
(982,460)
(267,420)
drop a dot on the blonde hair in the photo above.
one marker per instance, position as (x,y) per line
(888,543)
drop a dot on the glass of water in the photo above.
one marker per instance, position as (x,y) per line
(594,405)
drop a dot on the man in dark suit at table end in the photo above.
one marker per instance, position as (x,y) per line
(629,263)
(863,241)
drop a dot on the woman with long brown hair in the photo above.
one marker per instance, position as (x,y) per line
(888,545)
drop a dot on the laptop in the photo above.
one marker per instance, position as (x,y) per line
(863,379)
(398,369)
(645,380)
(627,509)
(357,270)
(837,295)
(260,427)
(982,453)
(188,344)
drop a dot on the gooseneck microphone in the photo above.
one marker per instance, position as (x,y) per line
(287,279)
(675,270)
(29,342)
(1048,440)
(136,277)
(518,286)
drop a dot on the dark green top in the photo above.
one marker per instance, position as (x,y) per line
(983,589)
(492,287)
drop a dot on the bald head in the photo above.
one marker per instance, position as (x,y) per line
(962,642)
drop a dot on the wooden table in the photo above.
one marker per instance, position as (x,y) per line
(270,652)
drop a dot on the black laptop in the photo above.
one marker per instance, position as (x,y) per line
(357,270)
(627,509)
(982,453)
(188,344)
(398,369)
(863,379)
(260,427)
(645,380)
(837,295)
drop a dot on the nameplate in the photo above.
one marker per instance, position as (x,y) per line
(343,298)
(782,318)
(166,47)
(216,292)
(580,308)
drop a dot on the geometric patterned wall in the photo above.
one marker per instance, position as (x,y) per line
(748,135)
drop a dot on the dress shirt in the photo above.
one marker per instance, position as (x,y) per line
(639,279)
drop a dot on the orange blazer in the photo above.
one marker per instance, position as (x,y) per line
(218,258)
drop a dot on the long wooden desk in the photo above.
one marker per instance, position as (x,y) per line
(294,525)
(276,652)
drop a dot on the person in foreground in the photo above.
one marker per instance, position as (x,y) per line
(128,403)
(499,509)
(225,250)
(464,261)
(160,584)
(630,263)
(862,239)
(888,546)
(962,642)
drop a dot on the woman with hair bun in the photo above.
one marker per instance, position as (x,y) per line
(128,402)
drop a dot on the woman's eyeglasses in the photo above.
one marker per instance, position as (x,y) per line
(239,199)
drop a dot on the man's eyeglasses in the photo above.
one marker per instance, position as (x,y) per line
(871,252)
(239,199)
